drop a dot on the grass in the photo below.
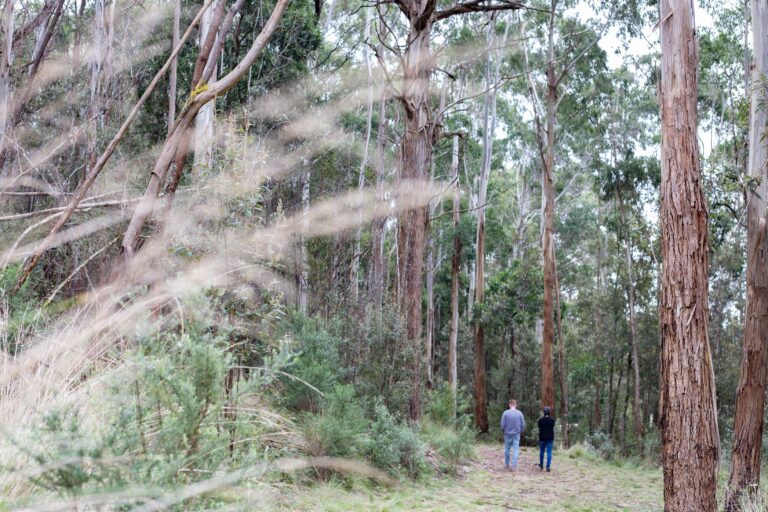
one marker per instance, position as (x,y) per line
(579,482)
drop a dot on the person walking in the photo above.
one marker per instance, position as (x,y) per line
(512,425)
(546,437)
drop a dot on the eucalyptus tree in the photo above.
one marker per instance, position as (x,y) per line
(750,401)
(690,438)
(568,42)
(422,127)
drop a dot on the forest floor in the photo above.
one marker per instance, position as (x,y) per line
(578,482)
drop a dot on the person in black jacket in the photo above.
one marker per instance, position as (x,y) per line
(546,437)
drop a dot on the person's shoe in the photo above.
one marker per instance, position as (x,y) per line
(506,466)
(541,467)
(547,470)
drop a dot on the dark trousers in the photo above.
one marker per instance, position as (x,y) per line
(545,445)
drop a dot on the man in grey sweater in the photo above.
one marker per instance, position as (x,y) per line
(512,425)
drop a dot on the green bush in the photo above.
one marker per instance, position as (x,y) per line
(394,445)
(341,428)
(453,443)
(317,364)
(169,416)
(440,407)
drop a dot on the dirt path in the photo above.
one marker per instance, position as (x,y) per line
(579,482)
(575,483)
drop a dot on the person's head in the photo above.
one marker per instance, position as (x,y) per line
(512,403)
(547,411)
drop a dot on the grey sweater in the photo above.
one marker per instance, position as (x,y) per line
(512,422)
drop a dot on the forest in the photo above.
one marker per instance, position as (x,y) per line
(300,256)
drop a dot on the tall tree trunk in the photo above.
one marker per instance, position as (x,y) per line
(422,128)
(98,59)
(354,267)
(377,228)
(597,355)
(455,261)
(416,159)
(690,442)
(750,398)
(489,128)
(547,239)
(636,404)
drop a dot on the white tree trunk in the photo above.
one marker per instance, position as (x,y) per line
(205,129)
(303,290)
(354,268)
(454,333)
(5,73)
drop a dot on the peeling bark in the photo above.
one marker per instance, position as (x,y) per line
(690,439)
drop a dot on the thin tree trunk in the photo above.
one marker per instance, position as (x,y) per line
(615,401)
(636,404)
(5,74)
(455,261)
(690,439)
(750,397)
(562,366)
(377,228)
(354,268)
(174,66)
(597,333)
(623,429)
(302,297)
(489,128)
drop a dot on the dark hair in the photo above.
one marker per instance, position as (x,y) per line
(547,411)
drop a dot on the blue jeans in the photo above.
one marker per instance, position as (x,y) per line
(548,446)
(511,441)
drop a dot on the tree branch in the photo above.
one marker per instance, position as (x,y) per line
(477,6)
(94,172)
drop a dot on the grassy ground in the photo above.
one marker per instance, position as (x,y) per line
(578,482)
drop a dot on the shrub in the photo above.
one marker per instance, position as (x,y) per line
(453,443)
(341,428)
(602,444)
(440,407)
(167,416)
(317,364)
(394,445)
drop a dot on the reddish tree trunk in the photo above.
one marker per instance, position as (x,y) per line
(690,442)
